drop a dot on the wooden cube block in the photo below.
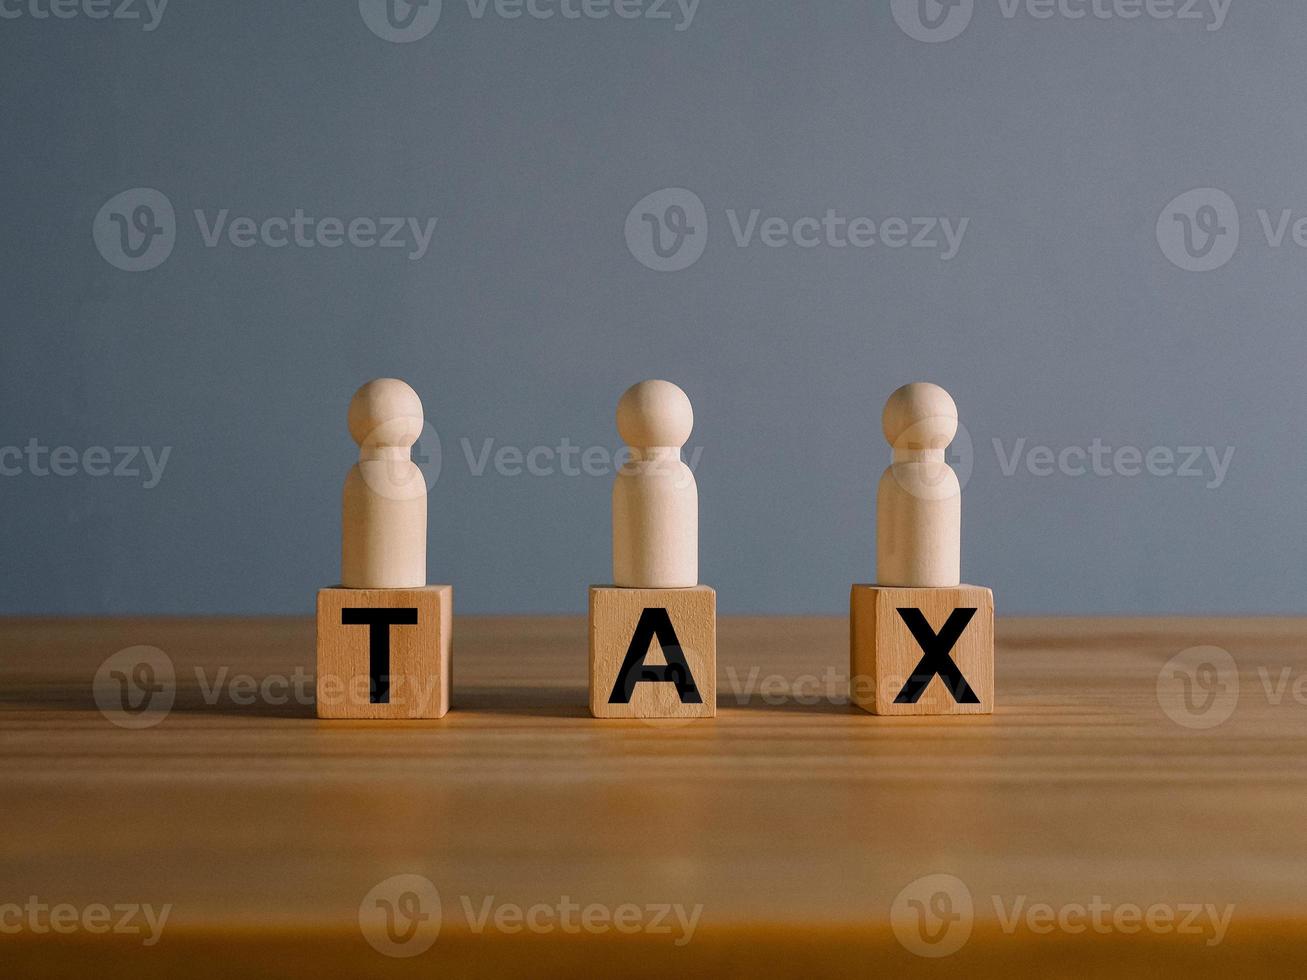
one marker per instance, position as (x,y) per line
(385,653)
(922,651)
(653,652)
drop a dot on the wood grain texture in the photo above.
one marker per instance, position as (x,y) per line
(883,654)
(421,655)
(614,616)
(794,818)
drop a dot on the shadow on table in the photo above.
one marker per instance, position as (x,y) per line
(760,702)
(137,710)
(538,702)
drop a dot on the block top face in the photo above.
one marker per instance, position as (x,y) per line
(886,589)
(376,595)
(607,586)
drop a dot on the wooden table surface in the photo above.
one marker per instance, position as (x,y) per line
(792,821)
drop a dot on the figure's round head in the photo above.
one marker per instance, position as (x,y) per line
(385,412)
(920,416)
(654,413)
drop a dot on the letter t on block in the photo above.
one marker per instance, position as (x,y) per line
(384,653)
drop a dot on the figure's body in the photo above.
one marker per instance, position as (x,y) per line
(384,512)
(919,500)
(655,499)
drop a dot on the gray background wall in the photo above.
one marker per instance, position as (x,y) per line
(1060,320)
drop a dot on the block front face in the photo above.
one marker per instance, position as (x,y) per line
(922,651)
(653,653)
(385,653)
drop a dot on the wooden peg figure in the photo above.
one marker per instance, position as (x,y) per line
(920,642)
(384,516)
(655,499)
(653,631)
(384,635)
(919,501)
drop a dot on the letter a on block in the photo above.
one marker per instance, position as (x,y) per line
(655,573)
(624,626)
(655,623)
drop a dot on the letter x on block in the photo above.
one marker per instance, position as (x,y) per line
(936,659)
